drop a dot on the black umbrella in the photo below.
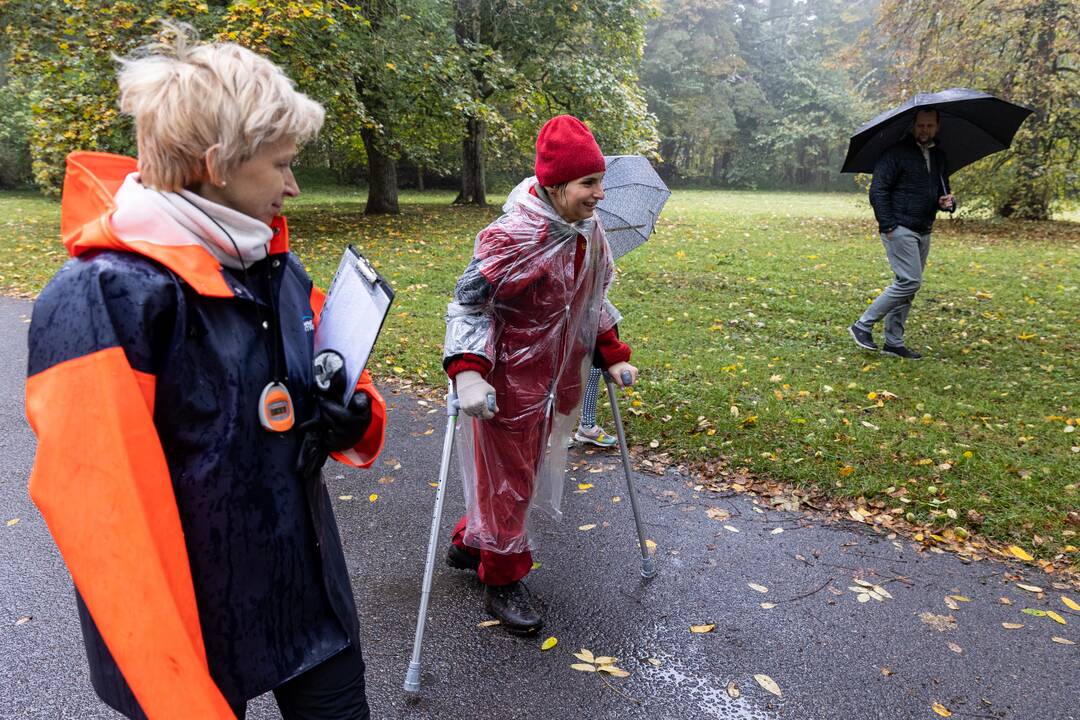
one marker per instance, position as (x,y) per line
(972,126)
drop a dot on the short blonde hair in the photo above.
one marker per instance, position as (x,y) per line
(187,96)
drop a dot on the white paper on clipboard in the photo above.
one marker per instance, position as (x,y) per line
(356,305)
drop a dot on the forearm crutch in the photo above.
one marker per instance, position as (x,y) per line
(648,564)
(412,676)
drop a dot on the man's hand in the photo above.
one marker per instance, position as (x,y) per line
(947,202)
(472,392)
(616,371)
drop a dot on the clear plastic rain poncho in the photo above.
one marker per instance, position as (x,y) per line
(532,303)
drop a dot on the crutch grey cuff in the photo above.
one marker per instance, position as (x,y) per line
(469,330)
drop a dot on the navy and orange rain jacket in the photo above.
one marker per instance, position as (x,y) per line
(207,571)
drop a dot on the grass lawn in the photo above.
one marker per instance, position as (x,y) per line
(738,309)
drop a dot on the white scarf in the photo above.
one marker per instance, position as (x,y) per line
(234,239)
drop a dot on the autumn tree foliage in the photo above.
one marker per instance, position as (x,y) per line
(1026,51)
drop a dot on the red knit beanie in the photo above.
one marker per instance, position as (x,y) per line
(565,151)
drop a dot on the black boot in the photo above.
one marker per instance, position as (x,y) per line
(460,559)
(513,605)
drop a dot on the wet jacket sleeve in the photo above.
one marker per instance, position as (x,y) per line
(886,174)
(362,454)
(495,269)
(609,348)
(101,481)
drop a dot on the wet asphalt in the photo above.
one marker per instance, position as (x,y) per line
(830,655)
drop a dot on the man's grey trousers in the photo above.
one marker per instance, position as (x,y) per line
(907,251)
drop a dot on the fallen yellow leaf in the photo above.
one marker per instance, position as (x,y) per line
(940,710)
(1062,641)
(650,545)
(1070,603)
(584,486)
(489,623)
(585,655)
(605,660)
(549,643)
(344,497)
(584,667)
(758,588)
(1055,617)
(13,521)
(1029,588)
(1012,626)
(587,528)
(768,684)
(703,628)
(1020,552)
(768,606)
(612,670)
(373,497)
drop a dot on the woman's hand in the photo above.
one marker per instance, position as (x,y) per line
(616,372)
(473,392)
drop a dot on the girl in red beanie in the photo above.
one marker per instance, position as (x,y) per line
(529,316)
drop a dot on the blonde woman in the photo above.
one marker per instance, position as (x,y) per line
(171,389)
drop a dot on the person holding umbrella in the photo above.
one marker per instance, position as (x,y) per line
(905,149)
(180,426)
(528,318)
(910,185)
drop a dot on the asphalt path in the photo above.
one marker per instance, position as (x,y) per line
(830,655)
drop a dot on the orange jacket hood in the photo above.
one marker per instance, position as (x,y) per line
(90,185)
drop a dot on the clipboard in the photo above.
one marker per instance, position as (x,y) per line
(353,314)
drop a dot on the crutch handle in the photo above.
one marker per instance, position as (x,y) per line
(625,376)
(454,405)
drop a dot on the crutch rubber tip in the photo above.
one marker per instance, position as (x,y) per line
(412,678)
(648,568)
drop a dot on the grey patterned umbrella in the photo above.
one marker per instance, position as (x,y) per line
(634,195)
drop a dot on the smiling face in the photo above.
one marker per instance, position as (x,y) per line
(259,185)
(576,200)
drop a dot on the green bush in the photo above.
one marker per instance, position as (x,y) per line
(14,142)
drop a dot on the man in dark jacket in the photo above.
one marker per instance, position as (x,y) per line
(910,185)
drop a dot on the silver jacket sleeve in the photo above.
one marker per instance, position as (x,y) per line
(470,319)
(609,316)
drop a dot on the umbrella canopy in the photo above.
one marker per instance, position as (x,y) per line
(634,195)
(973,125)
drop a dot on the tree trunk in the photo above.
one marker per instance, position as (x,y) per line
(382,177)
(468,31)
(473,179)
(420,178)
(1029,196)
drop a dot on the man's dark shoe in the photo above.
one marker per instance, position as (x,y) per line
(862,338)
(461,559)
(901,352)
(514,607)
